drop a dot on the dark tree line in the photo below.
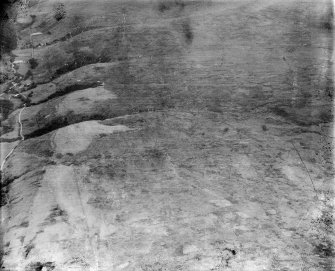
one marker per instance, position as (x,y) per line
(7,39)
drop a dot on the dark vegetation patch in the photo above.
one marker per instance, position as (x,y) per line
(165,5)
(119,44)
(215,105)
(326,221)
(7,129)
(53,58)
(326,117)
(322,237)
(155,153)
(24,224)
(28,74)
(3,77)
(135,121)
(328,22)
(59,11)
(37,175)
(102,201)
(329,90)
(38,266)
(4,6)
(115,168)
(6,107)
(55,213)
(156,266)
(153,98)
(63,121)
(104,48)
(80,59)
(187,31)
(27,249)
(49,127)
(4,195)
(324,249)
(72,34)
(327,25)
(33,63)
(44,149)
(69,89)
(59,156)
(294,116)
(43,24)
(6,181)
(8,40)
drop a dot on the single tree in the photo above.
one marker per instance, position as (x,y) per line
(59,11)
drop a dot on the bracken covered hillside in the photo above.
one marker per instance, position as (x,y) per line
(167,135)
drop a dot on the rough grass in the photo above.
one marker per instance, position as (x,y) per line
(184,155)
(6,107)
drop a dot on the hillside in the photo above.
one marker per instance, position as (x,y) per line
(167,135)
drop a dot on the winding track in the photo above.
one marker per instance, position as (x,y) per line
(22,138)
(20,123)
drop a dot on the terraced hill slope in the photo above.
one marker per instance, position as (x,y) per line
(168,135)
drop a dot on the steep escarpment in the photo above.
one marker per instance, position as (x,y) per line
(168,135)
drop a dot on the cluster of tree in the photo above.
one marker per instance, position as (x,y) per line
(59,11)
(7,32)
